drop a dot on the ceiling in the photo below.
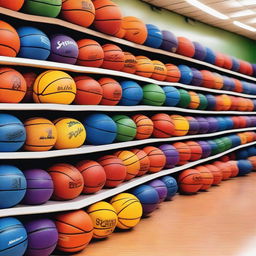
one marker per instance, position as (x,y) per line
(231,8)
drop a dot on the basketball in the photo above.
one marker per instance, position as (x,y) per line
(144,161)
(108,17)
(100,129)
(244,167)
(200,51)
(195,100)
(186,74)
(121,32)
(42,236)
(219,60)
(211,101)
(54,86)
(203,102)
(208,79)
(171,154)
(232,84)
(206,148)
(181,125)
(75,230)
(144,66)
(144,125)
(30,78)
(184,152)
(13,186)
(136,30)
(15,6)
(184,98)
(153,95)
(203,124)
(219,82)
(206,177)
(89,91)
(160,70)
(131,161)
(196,150)
(13,86)
(172,96)
(41,134)
(80,12)
(173,73)
(216,172)
(163,125)
(129,63)
(115,170)
(112,91)
(90,53)
(185,47)
(227,62)
(190,181)
(226,171)
(214,124)
(93,174)
(132,93)
(210,56)
(9,40)
(67,181)
(154,37)
(172,187)
(71,133)
(156,157)
(197,78)
(235,64)
(39,187)
(170,42)
(193,125)
(235,169)
(128,209)
(104,219)
(160,188)
(252,159)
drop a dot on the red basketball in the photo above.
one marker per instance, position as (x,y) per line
(234,103)
(30,78)
(234,168)
(227,62)
(163,125)
(196,150)
(208,79)
(190,181)
(144,125)
(173,73)
(185,47)
(206,175)
(242,67)
(238,85)
(219,60)
(184,152)
(144,161)
(242,122)
(216,172)
(13,5)
(129,63)
(226,171)
(249,69)
(236,122)
(93,174)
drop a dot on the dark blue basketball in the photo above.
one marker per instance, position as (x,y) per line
(210,56)
(155,37)
(197,79)
(170,42)
(186,74)
(193,125)
(246,87)
(235,64)
(172,186)
(228,84)
(253,88)
(213,124)
(13,237)
(229,122)
(211,101)
(132,93)
(222,123)
(235,139)
(206,148)
(242,154)
(200,51)
(100,129)
(251,151)
(214,147)
(253,120)
(34,44)
(203,125)
(254,69)
(244,167)
(172,96)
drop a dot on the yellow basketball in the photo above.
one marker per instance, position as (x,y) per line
(54,86)
(129,210)
(195,100)
(71,133)
(104,219)
(181,125)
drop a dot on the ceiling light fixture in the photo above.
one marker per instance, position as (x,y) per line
(207,9)
(244,26)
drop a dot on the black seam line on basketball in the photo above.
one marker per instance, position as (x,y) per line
(132,87)
(133,201)
(63,55)
(65,247)
(108,5)
(101,184)
(115,61)
(173,76)
(126,158)
(11,228)
(61,173)
(11,141)
(125,125)
(90,59)
(84,231)
(9,89)
(13,189)
(9,47)
(109,83)
(5,29)
(69,78)
(38,124)
(80,10)
(73,233)
(114,179)
(59,5)
(123,198)
(50,93)
(41,229)
(162,131)
(100,129)
(37,47)
(144,125)
(109,99)
(188,175)
(47,247)
(14,245)
(101,210)
(107,19)
(113,164)
(31,35)
(6,71)
(89,167)
(38,83)
(129,218)
(113,50)
(89,91)
(87,45)
(103,228)
(124,224)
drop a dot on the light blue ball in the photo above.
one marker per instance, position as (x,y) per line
(155,37)
(172,96)
(132,93)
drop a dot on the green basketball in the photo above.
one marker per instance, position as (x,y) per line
(48,8)
(126,128)
(184,99)
(153,95)
(227,142)
(221,145)
(203,102)
(214,147)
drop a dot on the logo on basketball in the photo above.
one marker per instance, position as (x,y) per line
(76,184)
(16,84)
(72,123)
(106,223)
(15,240)
(64,43)
(64,88)
(75,133)
(15,135)
(87,6)
(49,135)
(16,184)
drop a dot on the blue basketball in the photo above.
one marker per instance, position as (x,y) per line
(242,154)
(186,74)
(210,56)
(148,197)
(211,101)
(155,37)
(236,140)
(197,79)
(222,123)
(132,93)
(13,237)
(172,96)
(253,88)
(246,87)
(254,69)
(228,84)
(251,151)
(172,186)
(214,147)
(244,167)
(253,119)
(12,186)
(200,51)
(170,42)
(235,64)
(206,148)
(213,124)
(12,133)
(34,44)
(229,122)
(100,129)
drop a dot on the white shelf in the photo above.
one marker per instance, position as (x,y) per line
(92,148)
(86,200)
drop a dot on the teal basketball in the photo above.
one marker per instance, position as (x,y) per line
(153,95)
(184,98)
(203,102)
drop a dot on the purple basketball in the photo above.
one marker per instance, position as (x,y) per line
(254,69)
(200,51)
(228,84)
(193,125)
(63,49)
(203,124)
(170,42)
(39,186)
(248,121)
(197,79)
(253,119)
(172,155)
(206,148)
(42,237)
(213,124)
(161,189)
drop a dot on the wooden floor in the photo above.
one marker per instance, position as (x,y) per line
(221,222)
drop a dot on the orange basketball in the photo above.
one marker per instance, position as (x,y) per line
(226,172)
(238,85)
(249,136)
(30,78)
(112,91)
(234,168)
(226,102)
(252,159)
(219,59)
(196,150)
(206,175)
(181,125)
(242,137)
(67,181)
(218,81)
(219,103)
(216,172)
(160,70)
(129,63)
(115,170)
(234,103)
(121,32)
(156,157)
(13,86)
(90,53)
(13,5)
(144,125)
(208,79)
(227,62)
(173,73)
(88,91)
(75,230)
(185,47)
(163,125)
(80,12)
(184,152)
(190,181)
(144,161)
(108,16)
(136,30)
(195,100)
(93,174)
(113,57)
(250,105)
(144,66)
(242,104)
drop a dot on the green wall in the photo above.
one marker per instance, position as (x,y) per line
(215,38)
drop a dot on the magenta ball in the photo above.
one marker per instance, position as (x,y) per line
(161,189)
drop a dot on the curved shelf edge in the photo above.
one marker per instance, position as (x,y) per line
(86,200)
(92,148)
(59,22)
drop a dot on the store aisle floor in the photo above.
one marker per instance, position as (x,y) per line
(221,222)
